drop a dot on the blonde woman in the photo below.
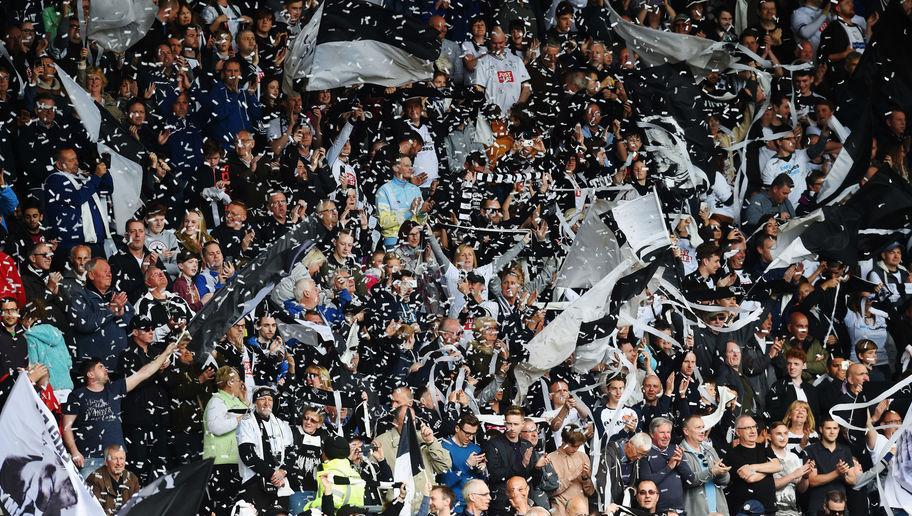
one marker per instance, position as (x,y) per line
(308,267)
(480,356)
(95,82)
(466,261)
(220,421)
(192,235)
(800,422)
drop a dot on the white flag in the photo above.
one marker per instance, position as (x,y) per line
(37,475)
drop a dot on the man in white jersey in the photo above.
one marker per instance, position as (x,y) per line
(502,75)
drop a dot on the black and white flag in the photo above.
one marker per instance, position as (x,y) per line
(408,459)
(247,289)
(354,42)
(595,250)
(178,493)
(37,475)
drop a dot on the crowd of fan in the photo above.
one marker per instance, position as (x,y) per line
(424,320)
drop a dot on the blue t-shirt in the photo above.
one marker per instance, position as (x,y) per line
(97,414)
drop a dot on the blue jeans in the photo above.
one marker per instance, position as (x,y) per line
(298,500)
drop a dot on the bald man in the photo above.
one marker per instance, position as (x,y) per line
(579,505)
(801,338)
(518,495)
(501,75)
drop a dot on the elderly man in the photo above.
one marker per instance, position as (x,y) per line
(619,460)
(754,467)
(112,484)
(74,274)
(731,375)
(234,234)
(434,457)
(477,496)
(710,473)
(518,495)
(99,316)
(664,466)
(168,312)
(306,298)
(265,447)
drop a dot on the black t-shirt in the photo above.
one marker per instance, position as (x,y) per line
(97,414)
(825,461)
(740,491)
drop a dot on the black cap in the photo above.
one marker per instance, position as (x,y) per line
(473,277)
(563,8)
(335,447)
(263,391)
(141,322)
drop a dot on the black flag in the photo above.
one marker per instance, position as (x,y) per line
(178,493)
(250,286)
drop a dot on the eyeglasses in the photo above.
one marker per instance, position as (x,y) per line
(329,210)
(647,492)
(752,427)
(44,255)
(10,311)
(470,434)
(312,420)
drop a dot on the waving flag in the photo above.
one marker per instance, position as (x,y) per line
(352,42)
(37,475)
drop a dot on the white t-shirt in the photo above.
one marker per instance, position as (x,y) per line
(573,418)
(619,423)
(855,33)
(502,79)
(426,159)
(797,166)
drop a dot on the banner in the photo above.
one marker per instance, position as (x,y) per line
(37,474)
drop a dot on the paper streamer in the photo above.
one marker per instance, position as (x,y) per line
(725,395)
